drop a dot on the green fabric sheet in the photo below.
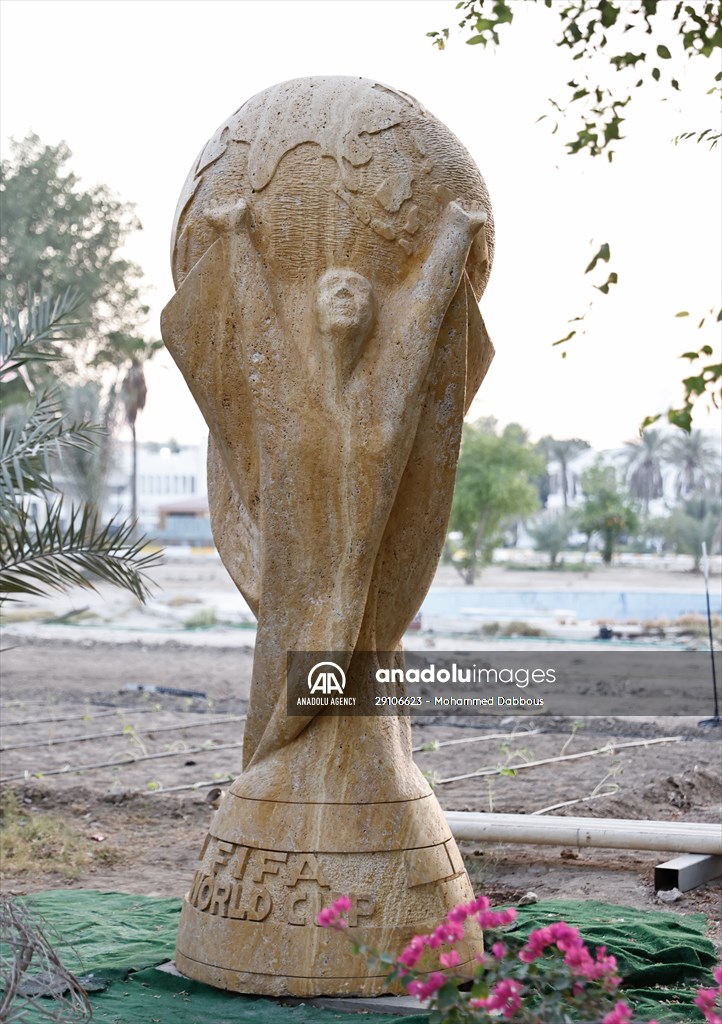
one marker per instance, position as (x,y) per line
(663,958)
(119,937)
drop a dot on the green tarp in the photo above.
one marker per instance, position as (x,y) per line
(109,935)
(120,938)
(660,955)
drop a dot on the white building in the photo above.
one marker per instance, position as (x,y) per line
(171,487)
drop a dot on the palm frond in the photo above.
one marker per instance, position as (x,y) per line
(27,445)
(31,337)
(36,557)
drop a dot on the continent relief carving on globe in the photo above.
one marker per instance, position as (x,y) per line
(330,245)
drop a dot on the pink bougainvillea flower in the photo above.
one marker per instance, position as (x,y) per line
(495,918)
(424,989)
(413,952)
(576,955)
(505,996)
(331,917)
(498,950)
(706,999)
(450,959)
(621,1014)
(459,914)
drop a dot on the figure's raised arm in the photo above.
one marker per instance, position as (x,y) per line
(419,306)
(431,288)
(258,317)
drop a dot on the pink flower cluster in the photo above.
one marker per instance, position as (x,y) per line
(331,917)
(706,999)
(451,930)
(425,989)
(621,1014)
(576,955)
(504,996)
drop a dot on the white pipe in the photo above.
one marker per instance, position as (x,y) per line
(610,833)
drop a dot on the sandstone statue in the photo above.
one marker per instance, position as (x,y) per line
(330,246)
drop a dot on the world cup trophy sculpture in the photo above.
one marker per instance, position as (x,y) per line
(329,248)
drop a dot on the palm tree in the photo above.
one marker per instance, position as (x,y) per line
(606,509)
(86,470)
(550,533)
(42,548)
(133,394)
(644,461)
(695,458)
(563,453)
(693,522)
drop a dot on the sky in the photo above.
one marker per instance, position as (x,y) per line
(137,87)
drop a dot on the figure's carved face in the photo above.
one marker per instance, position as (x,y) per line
(344,303)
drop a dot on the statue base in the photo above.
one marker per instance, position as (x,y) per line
(267,867)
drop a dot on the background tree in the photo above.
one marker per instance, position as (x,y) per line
(42,546)
(563,453)
(694,521)
(644,466)
(591,29)
(642,42)
(493,486)
(696,459)
(550,534)
(84,472)
(133,394)
(605,509)
(55,235)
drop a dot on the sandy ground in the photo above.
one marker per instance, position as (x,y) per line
(71,705)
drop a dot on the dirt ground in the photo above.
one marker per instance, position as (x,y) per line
(87,736)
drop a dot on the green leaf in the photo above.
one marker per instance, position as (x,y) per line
(56,554)
(695,385)
(604,288)
(31,337)
(447,996)
(562,340)
(609,13)
(681,418)
(648,421)
(603,254)
(682,312)
(28,443)
(656,74)
(663,52)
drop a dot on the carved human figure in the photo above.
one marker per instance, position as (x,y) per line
(327,251)
(337,438)
(345,314)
